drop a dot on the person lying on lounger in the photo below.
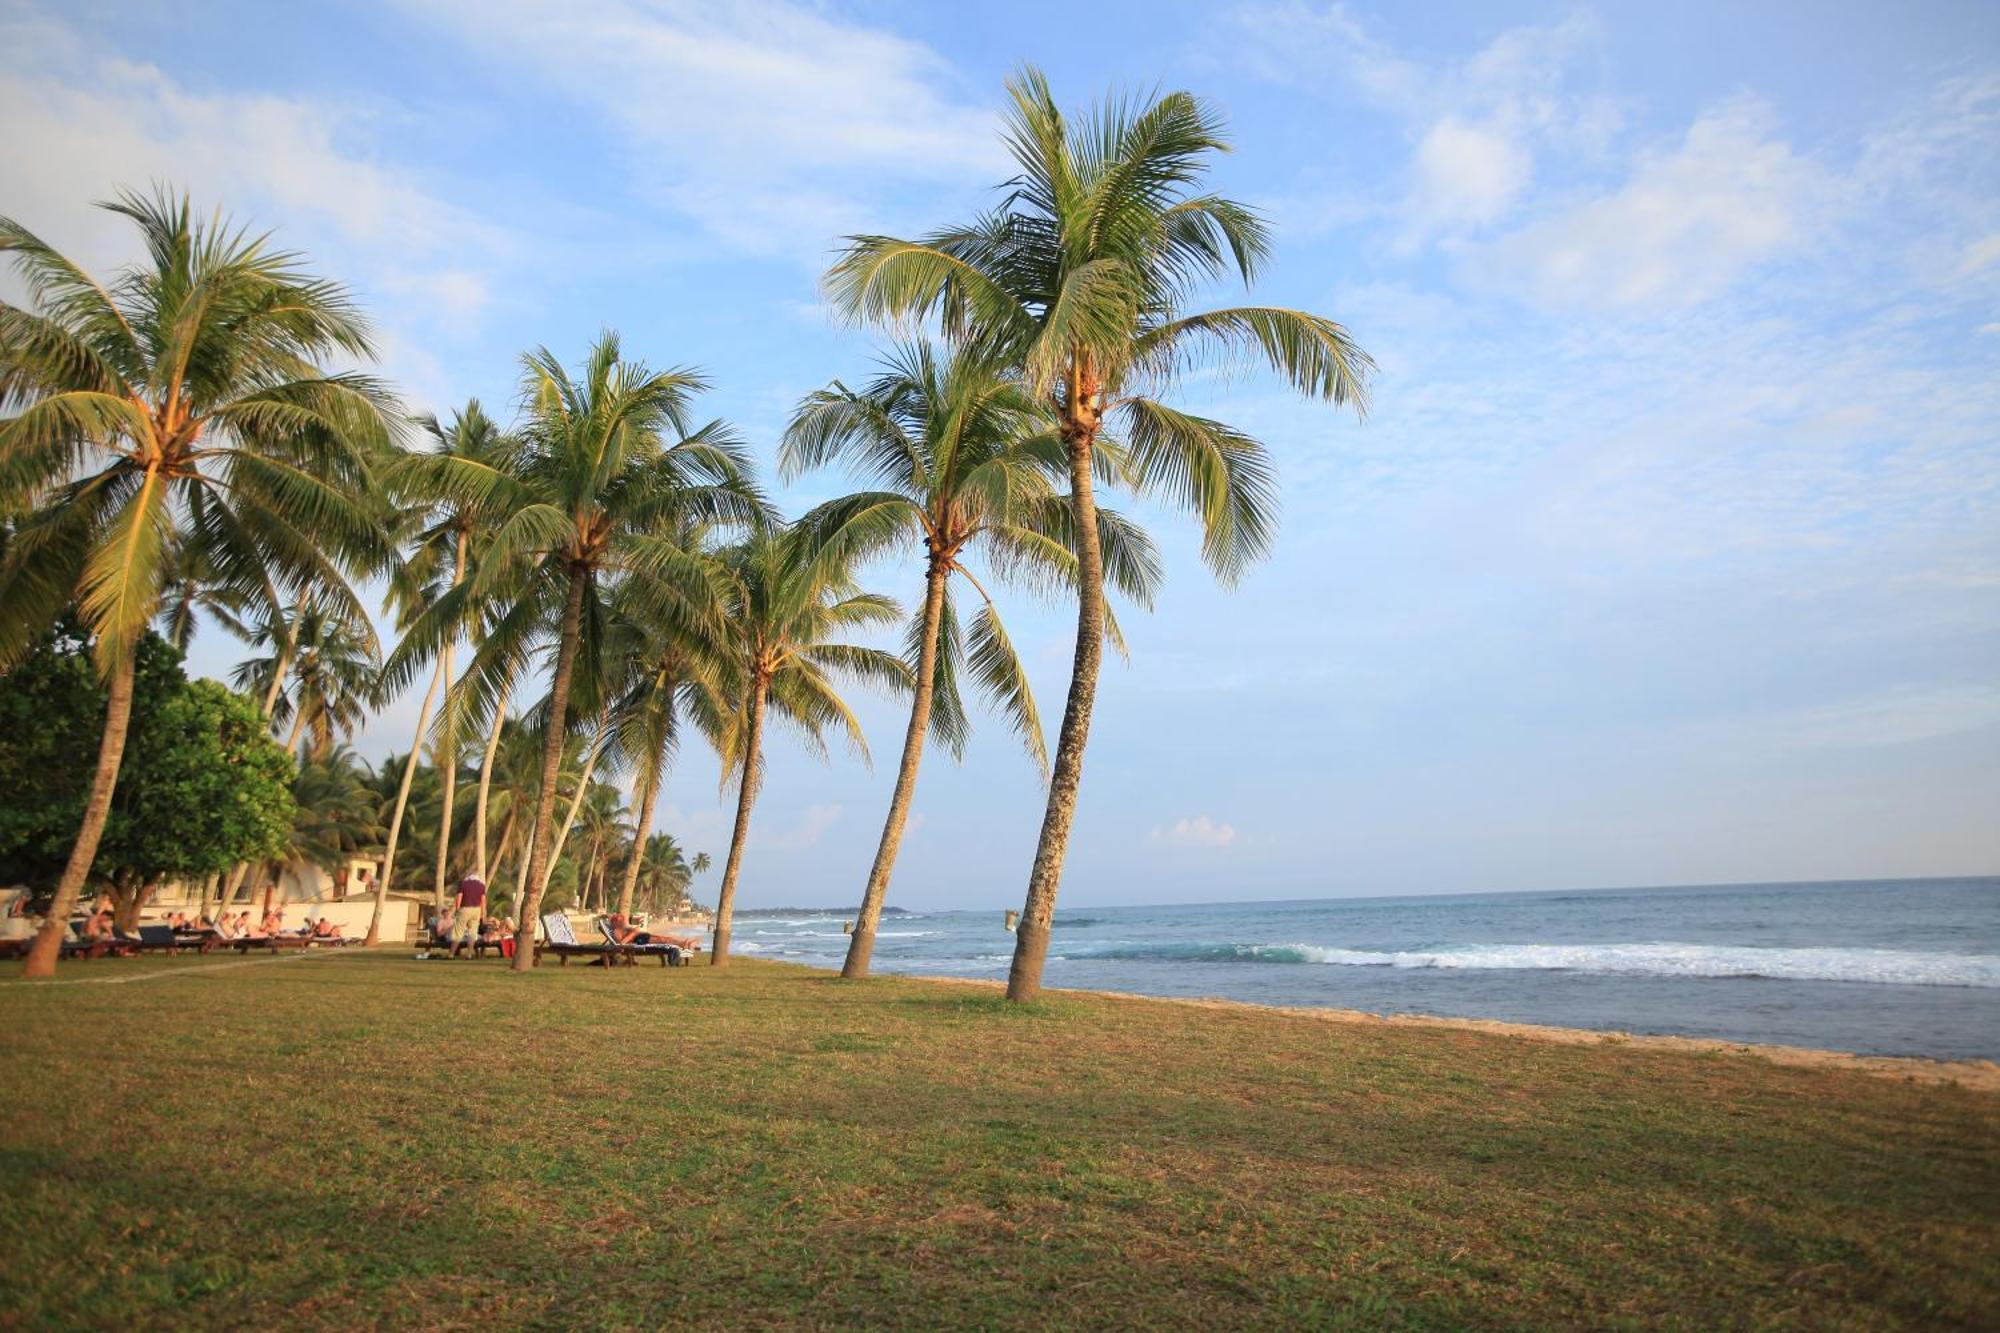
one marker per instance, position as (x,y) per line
(324,929)
(625,932)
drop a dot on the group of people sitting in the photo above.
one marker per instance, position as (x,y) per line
(101,924)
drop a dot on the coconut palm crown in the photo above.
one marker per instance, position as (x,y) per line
(1083,276)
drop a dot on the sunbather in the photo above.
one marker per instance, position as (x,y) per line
(324,929)
(624,932)
(99,924)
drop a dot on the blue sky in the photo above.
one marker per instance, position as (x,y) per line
(1669,553)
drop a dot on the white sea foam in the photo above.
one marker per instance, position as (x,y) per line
(1881,966)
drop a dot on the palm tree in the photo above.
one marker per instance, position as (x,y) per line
(1082,277)
(333,671)
(184,406)
(790,601)
(969,461)
(665,871)
(445,539)
(338,813)
(608,459)
(675,665)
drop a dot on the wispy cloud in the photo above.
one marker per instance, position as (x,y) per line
(1479,126)
(1682,227)
(772,125)
(1200,831)
(83,122)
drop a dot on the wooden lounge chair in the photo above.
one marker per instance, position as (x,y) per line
(152,939)
(563,943)
(672,955)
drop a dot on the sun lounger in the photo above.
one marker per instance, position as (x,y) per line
(563,943)
(670,954)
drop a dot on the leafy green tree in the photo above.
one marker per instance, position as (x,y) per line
(202,785)
(968,462)
(184,405)
(51,714)
(1082,277)
(790,603)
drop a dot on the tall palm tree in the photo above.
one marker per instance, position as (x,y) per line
(609,458)
(182,406)
(791,600)
(676,664)
(444,541)
(1082,277)
(969,462)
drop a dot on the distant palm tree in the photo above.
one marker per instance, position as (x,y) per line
(665,873)
(184,406)
(790,602)
(970,462)
(338,814)
(333,672)
(609,458)
(1082,277)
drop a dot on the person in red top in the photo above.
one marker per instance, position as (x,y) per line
(471,907)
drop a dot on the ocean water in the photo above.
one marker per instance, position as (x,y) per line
(1908,967)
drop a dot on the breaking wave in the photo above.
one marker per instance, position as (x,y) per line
(1893,967)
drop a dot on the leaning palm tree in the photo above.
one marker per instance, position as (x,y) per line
(182,407)
(608,459)
(968,462)
(1082,277)
(790,603)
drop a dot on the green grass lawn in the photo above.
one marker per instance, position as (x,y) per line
(371,1140)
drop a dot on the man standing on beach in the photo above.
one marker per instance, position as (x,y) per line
(471,907)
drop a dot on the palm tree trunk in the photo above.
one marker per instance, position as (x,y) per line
(486,783)
(506,843)
(649,791)
(569,818)
(278,673)
(521,870)
(725,902)
(862,945)
(396,818)
(298,726)
(445,754)
(110,754)
(545,803)
(1031,937)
